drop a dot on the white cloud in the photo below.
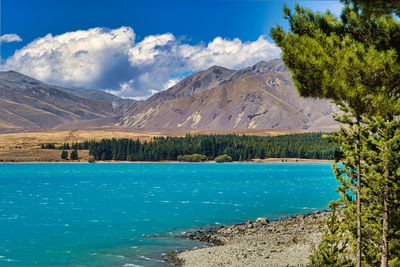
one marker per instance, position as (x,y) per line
(171,82)
(111,60)
(79,58)
(144,52)
(230,53)
(8,38)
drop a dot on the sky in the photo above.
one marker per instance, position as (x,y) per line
(134,49)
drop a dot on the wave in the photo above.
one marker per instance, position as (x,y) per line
(132,265)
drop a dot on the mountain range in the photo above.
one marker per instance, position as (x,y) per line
(261,96)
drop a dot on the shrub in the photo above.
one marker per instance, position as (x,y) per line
(91,160)
(223,158)
(192,158)
(332,249)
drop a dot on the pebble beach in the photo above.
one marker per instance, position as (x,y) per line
(287,242)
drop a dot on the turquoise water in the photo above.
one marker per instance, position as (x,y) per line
(110,214)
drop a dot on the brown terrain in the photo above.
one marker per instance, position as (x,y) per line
(25,147)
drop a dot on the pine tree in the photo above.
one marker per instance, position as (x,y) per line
(354,62)
(377,6)
(383,165)
(262,153)
(64,154)
(332,250)
(74,154)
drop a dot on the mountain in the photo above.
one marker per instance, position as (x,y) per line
(196,83)
(261,96)
(27,104)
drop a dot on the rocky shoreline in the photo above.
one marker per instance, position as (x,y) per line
(286,242)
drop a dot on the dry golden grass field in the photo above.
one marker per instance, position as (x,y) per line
(25,147)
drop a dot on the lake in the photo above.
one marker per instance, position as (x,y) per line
(126,214)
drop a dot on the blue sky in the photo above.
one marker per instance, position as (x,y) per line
(144,45)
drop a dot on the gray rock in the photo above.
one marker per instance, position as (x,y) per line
(262,221)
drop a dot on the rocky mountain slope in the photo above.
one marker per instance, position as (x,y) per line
(261,96)
(27,104)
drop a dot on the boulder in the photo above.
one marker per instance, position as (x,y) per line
(262,221)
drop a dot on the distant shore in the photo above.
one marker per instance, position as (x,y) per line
(287,242)
(269,160)
(26,146)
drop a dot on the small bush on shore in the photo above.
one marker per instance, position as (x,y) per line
(223,158)
(91,160)
(192,158)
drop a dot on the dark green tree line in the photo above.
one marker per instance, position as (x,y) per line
(238,147)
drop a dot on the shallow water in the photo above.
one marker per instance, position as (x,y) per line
(109,214)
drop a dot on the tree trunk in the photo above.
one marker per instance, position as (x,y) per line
(358,216)
(358,162)
(385,226)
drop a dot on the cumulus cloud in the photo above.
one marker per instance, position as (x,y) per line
(111,60)
(79,59)
(8,38)
(171,82)
(229,53)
